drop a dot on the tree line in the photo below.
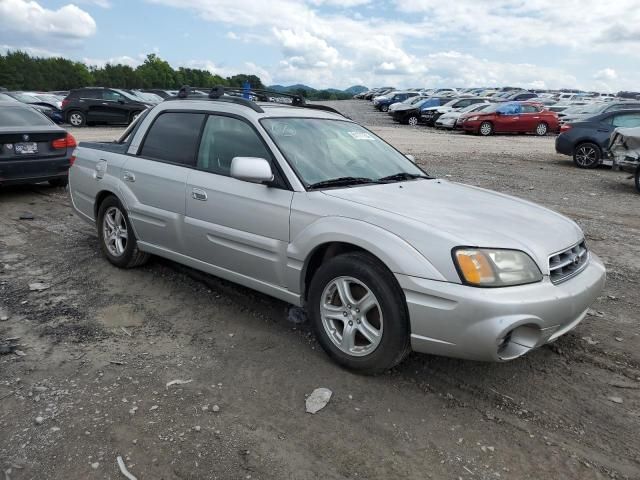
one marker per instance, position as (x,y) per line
(21,71)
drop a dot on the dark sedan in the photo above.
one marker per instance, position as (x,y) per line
(32,148)
(587,140)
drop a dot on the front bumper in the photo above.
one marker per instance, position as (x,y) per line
(34,170)
(471,126)
(497,324)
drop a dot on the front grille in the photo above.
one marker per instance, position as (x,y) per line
(568,263)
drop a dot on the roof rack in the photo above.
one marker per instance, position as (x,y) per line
(236,95)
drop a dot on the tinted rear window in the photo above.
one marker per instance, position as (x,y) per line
(173,138)
(22,117)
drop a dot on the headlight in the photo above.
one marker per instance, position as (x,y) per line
(473,119)
(485,267)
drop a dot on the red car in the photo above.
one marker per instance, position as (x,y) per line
(512,117)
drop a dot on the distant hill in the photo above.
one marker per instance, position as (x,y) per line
(354,90)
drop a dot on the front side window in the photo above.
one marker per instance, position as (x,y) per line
(223,139)
(320,150)
(173,138)
(111,96)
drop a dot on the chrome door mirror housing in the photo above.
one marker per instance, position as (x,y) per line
(251,169)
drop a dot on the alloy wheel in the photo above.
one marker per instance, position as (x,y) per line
(486,128)
(541,129)
(586,156)
(114,231)
(413,121)
(351,316)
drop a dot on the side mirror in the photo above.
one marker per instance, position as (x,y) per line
(251,169)
(411,157)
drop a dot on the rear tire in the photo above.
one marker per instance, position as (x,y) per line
(587,155)
(76,118)
(379,333)
(486,129)
(117,239)
(412,120)
(542,129)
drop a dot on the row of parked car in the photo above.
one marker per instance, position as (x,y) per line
(585,123)
(91,105)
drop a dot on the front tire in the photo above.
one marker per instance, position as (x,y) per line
(77,118)
(412,120)
(134,116)
(117,239)
(486,129)
(358,312)
(384,108)
(587,155)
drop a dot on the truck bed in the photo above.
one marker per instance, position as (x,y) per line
(112,147)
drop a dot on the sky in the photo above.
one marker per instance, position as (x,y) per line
(588,44)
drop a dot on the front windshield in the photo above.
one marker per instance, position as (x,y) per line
(320,150)
(473,107)
(25,98)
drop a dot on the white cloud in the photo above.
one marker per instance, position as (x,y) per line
(35,52)
(579,24)
(121,60)
(98,3)
(606,74)
(28,17)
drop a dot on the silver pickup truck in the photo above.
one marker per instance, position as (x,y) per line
(305,205)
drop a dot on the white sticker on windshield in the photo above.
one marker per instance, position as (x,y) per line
(361,135)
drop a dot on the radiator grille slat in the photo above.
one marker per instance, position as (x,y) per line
(568,263)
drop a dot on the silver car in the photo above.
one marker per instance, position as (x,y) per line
(310,207)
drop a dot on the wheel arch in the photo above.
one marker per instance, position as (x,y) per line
(100,197)
(331,236)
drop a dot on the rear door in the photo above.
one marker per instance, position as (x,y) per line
(529,119)
(239,226)
(154,180)
(90,101)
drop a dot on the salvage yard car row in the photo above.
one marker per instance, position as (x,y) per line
(585,124)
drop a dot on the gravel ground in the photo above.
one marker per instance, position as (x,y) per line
(100,345)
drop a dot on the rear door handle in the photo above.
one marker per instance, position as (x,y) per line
(198,194)
(128,177)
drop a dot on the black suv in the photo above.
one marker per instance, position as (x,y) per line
(87,106)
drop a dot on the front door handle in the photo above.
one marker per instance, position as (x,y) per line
(128,177)
(198,194)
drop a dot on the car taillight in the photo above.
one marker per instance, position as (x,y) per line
(67,142)
(65,102)
(566,127)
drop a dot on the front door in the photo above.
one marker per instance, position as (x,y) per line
(239,226)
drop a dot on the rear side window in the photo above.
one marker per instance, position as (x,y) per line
(173,137)
(93,94)
(529,109)
(22,117)
(627,120)
(223,139)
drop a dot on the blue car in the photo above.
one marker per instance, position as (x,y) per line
(385,102)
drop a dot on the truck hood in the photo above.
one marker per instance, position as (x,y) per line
(426,212)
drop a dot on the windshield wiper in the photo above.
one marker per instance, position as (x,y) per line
(342,182)
(402,176)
